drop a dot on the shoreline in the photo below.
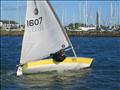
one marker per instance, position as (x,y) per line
(70,33)
(93,34)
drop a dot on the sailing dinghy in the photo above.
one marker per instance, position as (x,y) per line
(44,34)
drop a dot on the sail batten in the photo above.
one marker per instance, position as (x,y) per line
(43,34)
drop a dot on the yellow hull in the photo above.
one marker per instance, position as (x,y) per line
(70,63)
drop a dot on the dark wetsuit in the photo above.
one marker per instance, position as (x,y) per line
(58,56)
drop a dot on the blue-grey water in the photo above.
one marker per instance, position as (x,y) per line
(104,73)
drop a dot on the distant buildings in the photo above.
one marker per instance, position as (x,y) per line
(9,25)
(83,27)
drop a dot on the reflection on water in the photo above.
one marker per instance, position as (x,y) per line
(49,80)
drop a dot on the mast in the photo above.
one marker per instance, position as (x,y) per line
(97,21)
(99,17)
(19,24)
(80,12)
(73,21)
(9,25)
(63,29)
(111,14)
(63,14)
(86,14)
(17,15)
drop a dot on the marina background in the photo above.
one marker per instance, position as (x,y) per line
(83,18)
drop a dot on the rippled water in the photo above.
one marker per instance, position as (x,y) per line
(104,74)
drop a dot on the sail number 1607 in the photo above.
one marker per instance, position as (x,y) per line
(34,22)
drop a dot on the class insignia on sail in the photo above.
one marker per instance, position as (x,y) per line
(63,46)
(36,11)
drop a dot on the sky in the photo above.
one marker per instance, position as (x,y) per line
(68,11)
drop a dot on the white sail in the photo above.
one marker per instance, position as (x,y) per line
(43,32)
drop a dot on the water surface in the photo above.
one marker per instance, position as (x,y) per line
(104,74)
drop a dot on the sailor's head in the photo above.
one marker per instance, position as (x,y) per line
(62,51)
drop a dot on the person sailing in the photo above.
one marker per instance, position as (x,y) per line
(58,56)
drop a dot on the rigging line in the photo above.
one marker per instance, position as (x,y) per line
(17,15)
(88,16)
